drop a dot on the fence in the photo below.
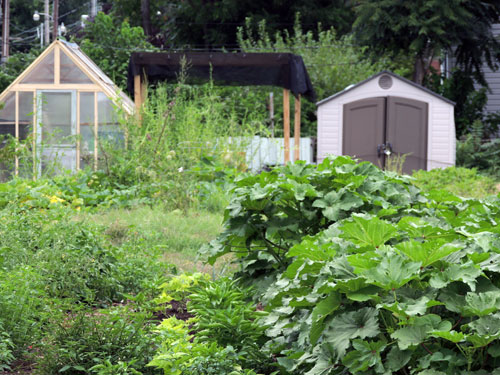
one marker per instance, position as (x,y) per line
(262,151)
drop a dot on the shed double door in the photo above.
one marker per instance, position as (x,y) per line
(376,127)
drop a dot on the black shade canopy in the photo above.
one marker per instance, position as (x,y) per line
(240,69)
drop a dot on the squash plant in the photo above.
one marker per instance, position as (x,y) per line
(271,212)
(377,279)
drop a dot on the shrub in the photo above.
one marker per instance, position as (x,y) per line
(475,151)
(273,211)
(24,309)
(181,353)
(457,180)
(222,313)
(88,338)
(6,347)
(185,132)
(370,276)
(101,40)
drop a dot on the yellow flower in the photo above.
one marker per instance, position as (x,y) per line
(56,199)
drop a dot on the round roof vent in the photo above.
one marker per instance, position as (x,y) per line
(385,82)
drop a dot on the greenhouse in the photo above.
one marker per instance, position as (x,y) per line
(58,110)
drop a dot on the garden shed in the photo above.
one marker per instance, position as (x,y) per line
(386,117)
(63,105)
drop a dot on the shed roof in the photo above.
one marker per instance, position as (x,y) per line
(274,69)
(387,72)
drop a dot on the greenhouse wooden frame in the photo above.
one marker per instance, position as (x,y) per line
(62,68)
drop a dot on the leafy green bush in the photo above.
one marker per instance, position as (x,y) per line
(475,151)
(371,277)
(224,315)
(181,353)
(110,45)
(185,133)
(457,180)
(24,307)
(271,212)
(6,347)
(15,65)
(72,258)
(89,338)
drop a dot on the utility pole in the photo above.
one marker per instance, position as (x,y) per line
(5,30)
(93,8)
(55,19)
(146,18)
(46,24)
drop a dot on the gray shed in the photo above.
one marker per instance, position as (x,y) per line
(388,114)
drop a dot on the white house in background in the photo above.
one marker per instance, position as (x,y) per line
(388,115)
(491,77)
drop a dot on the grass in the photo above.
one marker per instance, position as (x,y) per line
(174,235)
(464,182)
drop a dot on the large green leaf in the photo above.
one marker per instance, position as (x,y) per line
(335,202)
(364,356)
(452,336)
(397,358)
(481,304)
(351,325)
(410,307)
(368,232)
(418,330)
(467,273)
(417,227)
(320,312)
(427,252)
(486,325)
(392,272)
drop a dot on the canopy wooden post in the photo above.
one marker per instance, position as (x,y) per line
(16,158)
(35,125)
(96,132)
(286,123)
(78,138)
(296,130)
(137,92)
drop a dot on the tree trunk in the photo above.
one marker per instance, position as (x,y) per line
(419,70)
(146,18)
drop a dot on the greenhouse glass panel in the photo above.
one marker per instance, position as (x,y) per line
(25,114)
(56,117)
(109,128)
(25,153)
(43,71)
(86,129)
(70,73)
(7,127)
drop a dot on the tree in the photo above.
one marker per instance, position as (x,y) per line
(332,62)
(110,45)
(426,28)
(212,24)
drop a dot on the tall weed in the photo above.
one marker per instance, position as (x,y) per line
(180,126)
